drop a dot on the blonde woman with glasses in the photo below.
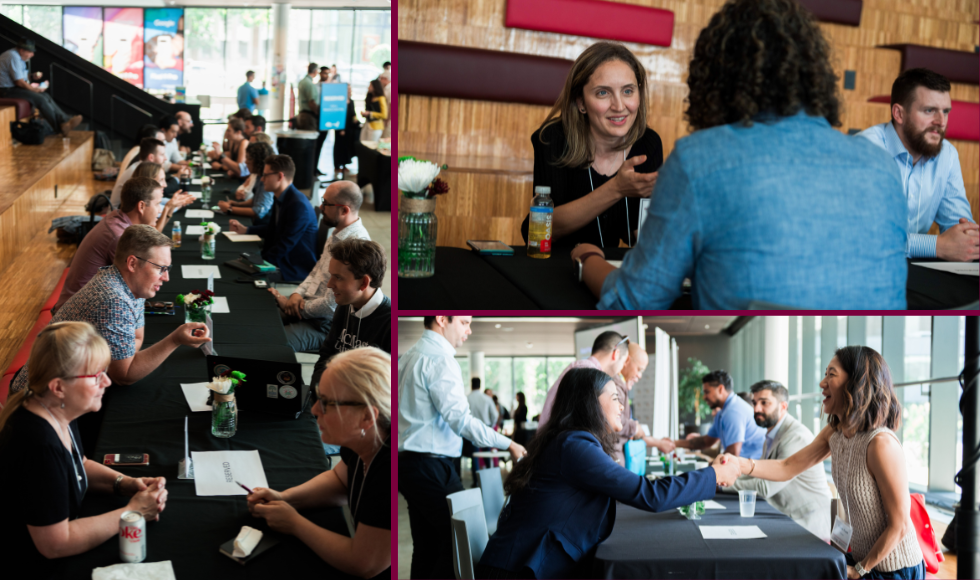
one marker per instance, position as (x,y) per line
(42,456)
(353,410)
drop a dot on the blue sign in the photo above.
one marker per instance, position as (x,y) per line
(333,106)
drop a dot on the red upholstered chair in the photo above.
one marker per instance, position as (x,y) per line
(24,108)
(20,359)
(5,388)
(53,299)
(964,119)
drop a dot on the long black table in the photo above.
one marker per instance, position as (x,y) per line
(148,417)
(667,545)
(462,281)
(374,167)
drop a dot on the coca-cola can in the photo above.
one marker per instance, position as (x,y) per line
(132,537)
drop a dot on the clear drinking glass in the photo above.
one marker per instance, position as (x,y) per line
(746,502)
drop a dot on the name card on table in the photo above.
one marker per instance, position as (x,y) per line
(730,532)
(199,213)
(215,472)
(194,231)
(196,395)
(242,237)
(199,272)
(220,305)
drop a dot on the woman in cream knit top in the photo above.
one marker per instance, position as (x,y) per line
(868,465)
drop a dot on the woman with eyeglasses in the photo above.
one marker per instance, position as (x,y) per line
(41,451)
(563,494)
(353,410)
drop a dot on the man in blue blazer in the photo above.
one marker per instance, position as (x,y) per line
(290,235)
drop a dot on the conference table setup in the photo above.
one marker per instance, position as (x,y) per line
(518,282)
(668,545)
(148,417)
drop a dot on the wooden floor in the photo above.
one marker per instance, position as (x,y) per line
(32,276)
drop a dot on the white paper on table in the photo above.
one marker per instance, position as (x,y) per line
(616,263)
(727,532)
(215,472)
(220,305)
(242,237)
(196,181)
(961,268)
(710,504)
(194,194)
(197,396)
(142,571)
(200,213)
(202,272)
(194,230)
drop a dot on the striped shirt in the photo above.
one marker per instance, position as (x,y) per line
(933,188)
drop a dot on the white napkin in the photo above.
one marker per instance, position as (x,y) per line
(246,541)
(143,571)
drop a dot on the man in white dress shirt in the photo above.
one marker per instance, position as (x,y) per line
(433,418)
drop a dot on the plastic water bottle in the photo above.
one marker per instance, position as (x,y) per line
(539,227)
(176,234)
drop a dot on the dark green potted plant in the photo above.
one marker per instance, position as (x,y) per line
(689,396)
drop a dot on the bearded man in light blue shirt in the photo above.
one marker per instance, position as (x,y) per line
(433,418)
(930,167)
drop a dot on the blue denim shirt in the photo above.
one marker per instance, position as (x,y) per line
(933,189)
(788,212)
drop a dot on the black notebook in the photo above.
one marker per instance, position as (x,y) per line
(268,541)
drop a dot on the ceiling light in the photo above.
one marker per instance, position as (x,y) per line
(496,326)
(529,345)
(707,326)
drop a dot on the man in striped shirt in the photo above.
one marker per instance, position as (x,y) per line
(929,166)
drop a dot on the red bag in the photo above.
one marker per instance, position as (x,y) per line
(932,553)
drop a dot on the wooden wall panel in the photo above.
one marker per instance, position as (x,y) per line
(7,116)
(445,128)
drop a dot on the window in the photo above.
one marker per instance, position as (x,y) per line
(874,333)
(915,413)
(44,20)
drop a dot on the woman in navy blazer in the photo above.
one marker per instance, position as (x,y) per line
(563,494)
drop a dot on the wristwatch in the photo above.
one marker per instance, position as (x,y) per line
(115,485)
(580,262)
(860,569)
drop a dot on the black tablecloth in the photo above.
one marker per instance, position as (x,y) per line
(666,545)
(148,417)
(374,168)
(462,282)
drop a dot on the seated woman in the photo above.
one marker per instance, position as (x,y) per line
(39,447)
(237,145)
(869,465)
(257,207)
(563,494)
(353,410)
(180,199)
(595,150)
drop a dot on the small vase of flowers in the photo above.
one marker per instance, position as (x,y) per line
(197,305)
(418,186)
(211,229)
(224,413)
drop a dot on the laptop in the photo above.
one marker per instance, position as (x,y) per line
(274,388)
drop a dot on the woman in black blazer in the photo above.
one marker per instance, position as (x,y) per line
(563,494)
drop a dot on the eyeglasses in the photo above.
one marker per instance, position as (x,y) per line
(163,269)
(97,377)
(331,403)
(328,204)
(626,340)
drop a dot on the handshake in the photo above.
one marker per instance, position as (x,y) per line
(727,469)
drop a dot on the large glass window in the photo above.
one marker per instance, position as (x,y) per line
(874,333)
(915,414)
(44,20)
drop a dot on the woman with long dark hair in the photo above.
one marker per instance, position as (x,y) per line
(563,494)
(868,467)
(520,417)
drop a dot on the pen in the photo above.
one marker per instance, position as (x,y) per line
(245,488)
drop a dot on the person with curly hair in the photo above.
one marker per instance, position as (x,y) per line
(595,150)
(930,167)
(764,203)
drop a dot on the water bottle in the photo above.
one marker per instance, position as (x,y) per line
(539,228)
(176,234)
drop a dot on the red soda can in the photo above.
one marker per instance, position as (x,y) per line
(132,537)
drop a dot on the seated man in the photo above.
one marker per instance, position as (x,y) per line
(308,312)
(363,316)
(112,302)
(175,162)
(151,150)
(930,167)
(290,235)
(140,205)
(186,123)
(733,424)
(805,498)
(636,363)
(758,204)
(14,85)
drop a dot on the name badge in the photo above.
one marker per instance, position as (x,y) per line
(840,537)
